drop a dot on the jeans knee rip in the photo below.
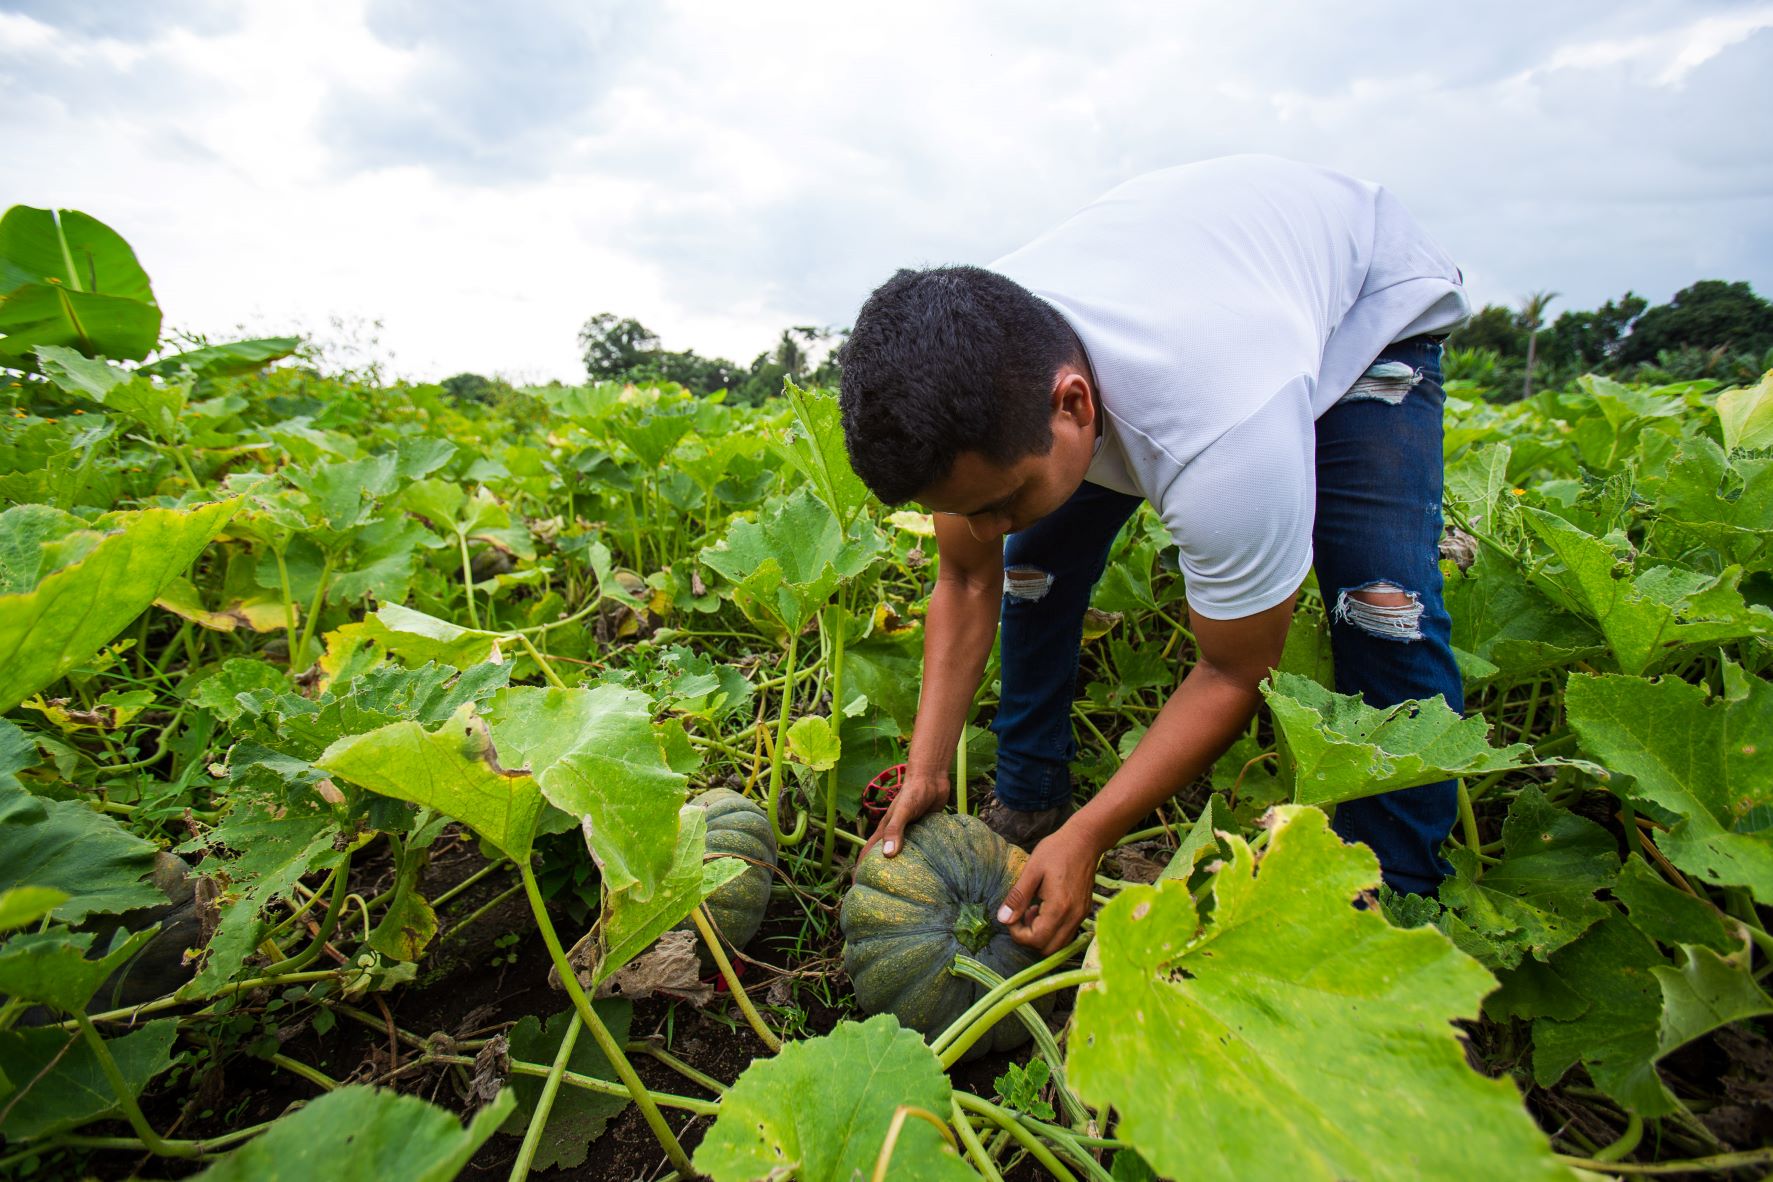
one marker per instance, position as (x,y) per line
(1402,621)
(1029,584)
(1386,381)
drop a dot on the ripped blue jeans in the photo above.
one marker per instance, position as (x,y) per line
(1378,528)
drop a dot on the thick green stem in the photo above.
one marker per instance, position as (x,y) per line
(1469,826)
(289,611)
(1043,1039)
(970,1139)
(541,662)
(468,578)
(441,901)
(648,1047)
(532,1136)
(335,908)
(132,1111)
(1628,1140)
(612,1050)
(313,1075)
(711,938)
(314,607)
(1717,1163)
(779,759)
(835,621)
(1006,1006)
(1006,1120)
(991,997)
(589,1083)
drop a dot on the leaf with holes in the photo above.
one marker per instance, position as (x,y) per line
(1335,747)
(1708,762)
(1540,897)
(1278,1036)
(819,1111)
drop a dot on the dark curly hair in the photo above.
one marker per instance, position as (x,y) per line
(944,361)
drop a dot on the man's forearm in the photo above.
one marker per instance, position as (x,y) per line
(957,637)
(1202,718)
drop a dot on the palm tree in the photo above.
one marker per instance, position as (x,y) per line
(1533,319)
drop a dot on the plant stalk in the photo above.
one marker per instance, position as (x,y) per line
(711,937)
(538,1120)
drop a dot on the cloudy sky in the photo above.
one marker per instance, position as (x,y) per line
(481,177)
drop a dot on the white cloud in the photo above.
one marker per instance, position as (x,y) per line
(483,178)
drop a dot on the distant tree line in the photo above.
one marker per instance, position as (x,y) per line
(1712,329)
(619,349)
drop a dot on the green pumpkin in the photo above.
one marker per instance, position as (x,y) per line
(907,918)
(737,825)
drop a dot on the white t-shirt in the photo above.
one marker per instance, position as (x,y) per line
(1224,306)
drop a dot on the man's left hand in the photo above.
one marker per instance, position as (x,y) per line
(1052,895)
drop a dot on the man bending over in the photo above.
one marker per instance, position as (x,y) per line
(1251,345)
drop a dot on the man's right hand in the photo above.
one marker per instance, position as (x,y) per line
(917,795)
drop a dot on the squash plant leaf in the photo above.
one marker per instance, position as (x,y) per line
(1617,1036)
(416,637)
(785,565)
(1668,914)
(215,361)
(63,1084)
(454,769)
(27,904)
(53,968)
(1540,897)
(100,866)
(1502,619)
(1707,762)
(578,1116)
(597,756)
(362,1134)
(1746,414)
(1646,616)
(1335,747)
(814,445)
(1278,1037)
(66,278)
(71,612)
(819,1111)
(1704,993)
(630,924)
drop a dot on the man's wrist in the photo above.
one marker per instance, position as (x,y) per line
(1093,832)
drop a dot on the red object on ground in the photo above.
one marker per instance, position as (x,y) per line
(881,790)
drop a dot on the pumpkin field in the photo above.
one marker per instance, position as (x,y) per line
(397,784)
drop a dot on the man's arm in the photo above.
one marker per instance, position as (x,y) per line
(957,635)
(1202,718)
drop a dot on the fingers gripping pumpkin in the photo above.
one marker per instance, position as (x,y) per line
(907,918)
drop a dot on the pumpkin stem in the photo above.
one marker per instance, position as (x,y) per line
(972,928)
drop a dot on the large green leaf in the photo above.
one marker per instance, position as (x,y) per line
(73,611)
(362,1134)
(785,565)
(1704,993)
(1747,415)
(819,1111)
(455,769)
(63,1086)
(1289,1034)
(1540,897)
(1617,1035)
(630,924)
(1335,747)
(1505,620)
(1668,914)
(1651,616)
(578,1116)
(597,756)
(69,279)
(64,844)
(1710,763)
(816,449)
(1725,503)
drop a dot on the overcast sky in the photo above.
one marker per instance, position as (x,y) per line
(483,176)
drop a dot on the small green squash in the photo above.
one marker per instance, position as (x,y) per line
(907,917)
(738,825)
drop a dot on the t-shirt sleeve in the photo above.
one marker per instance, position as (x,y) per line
(1242,510)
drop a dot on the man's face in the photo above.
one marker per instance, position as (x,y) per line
(998,500)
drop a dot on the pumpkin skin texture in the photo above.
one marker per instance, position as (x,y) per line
(738,825)
(907,918)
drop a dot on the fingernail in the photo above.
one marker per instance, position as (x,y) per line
(889,847)
(1003,914)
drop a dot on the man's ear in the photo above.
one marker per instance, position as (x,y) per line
(1073,398)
